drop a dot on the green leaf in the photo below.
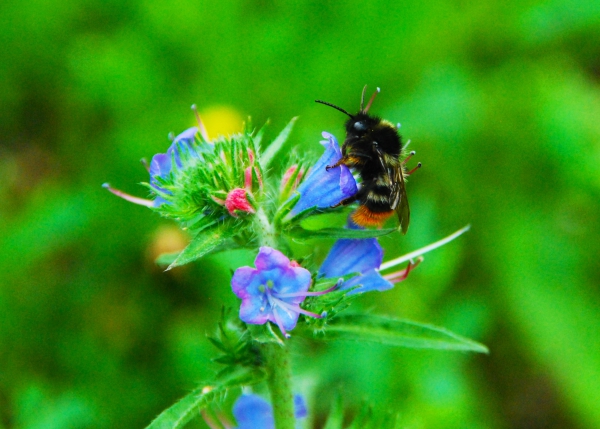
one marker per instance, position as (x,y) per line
(259,134)
(205,242)
(264,333)
(269,153)
(285,208)
(300,232)
(397,332)
(176,416)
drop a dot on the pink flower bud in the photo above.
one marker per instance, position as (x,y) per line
(288,175)
(237,200)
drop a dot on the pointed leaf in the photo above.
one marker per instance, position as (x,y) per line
(264,333)
(205,242)
(269,154)
(189,406)
(300,232)
(259,134)
(398,332)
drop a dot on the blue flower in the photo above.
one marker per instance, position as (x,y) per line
(253,412)
(162,163)
(363,256)
(323,188)
(161,166)
(273,290)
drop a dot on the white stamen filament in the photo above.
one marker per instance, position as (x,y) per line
(295,294)
(280,323)
(423,250)
(130,198)
(295,309)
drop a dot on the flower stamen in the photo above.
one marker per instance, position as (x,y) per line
(201,126)
(323,292)
(128,197)
(423,250)
(399,276)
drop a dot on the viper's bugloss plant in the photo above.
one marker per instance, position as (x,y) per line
(227,193)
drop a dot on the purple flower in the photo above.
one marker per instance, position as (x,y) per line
(322,188)
(363,256)
(253,412)
(273,290)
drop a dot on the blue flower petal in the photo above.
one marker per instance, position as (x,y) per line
(160,165)
(368,282)
(253,412)
(288,319)
(269,259)
(300,410)
(262,290)
(187,136)
(322,188)
(352,256)
(293,280)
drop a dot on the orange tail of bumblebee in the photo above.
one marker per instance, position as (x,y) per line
(365,217)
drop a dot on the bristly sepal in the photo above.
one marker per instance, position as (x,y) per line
(203,183)
(235,343)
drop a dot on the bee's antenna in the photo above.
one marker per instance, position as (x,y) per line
(362,98)
(334,106)
(371,101)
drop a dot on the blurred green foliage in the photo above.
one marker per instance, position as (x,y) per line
(501,101)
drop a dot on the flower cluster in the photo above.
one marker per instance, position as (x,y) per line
(227,192)
(199,182)
(202,183)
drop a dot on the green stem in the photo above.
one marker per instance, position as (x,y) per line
(265,229)
(279,380)
(277,359)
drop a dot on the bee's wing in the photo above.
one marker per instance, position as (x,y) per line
(398,198)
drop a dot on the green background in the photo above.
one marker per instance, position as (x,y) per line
(501,101)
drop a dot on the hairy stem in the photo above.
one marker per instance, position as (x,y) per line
(277,359)
(267,236)
(280,384)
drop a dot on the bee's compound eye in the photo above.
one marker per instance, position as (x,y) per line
(360,126)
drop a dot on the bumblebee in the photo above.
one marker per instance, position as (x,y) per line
(373,148)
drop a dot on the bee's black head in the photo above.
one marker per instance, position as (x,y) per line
(361,124)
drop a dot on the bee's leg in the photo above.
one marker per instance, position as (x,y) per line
(346,201)
(359,196)
(342,161)
(414,169)
(410,155)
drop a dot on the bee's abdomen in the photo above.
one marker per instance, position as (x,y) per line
(377,198)
(374,199)
(365,216)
